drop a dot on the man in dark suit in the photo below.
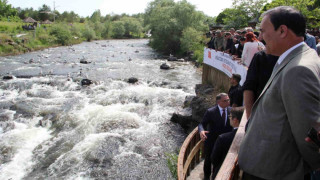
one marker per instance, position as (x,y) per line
(214,123)
(224,141)
(235,92)
(274,145)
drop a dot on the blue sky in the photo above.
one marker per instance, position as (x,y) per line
(87,7)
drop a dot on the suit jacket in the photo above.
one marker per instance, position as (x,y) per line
(274,146)
(220,150)
(213,122)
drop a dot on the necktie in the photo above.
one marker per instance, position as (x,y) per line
(224,115)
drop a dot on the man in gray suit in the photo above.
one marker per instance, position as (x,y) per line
(274,146)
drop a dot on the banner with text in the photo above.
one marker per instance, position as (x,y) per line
(224,63)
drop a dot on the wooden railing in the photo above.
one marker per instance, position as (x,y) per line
(191,153)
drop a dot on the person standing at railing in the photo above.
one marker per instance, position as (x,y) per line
(214,122)
(274,146)
(235,92)
(251,46)
(218,41)
(224,141)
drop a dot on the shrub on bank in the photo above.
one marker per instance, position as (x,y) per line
(62,34)
(89,34)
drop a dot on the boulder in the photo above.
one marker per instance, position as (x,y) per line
(164,66)
(7,77)
(132,80)
(172,58)
(83,61)
(86,82)
(184,119)
(195,107)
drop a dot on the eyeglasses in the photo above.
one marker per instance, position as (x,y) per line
(226,100)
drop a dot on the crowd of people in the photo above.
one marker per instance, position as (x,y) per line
(281,98)
(243,44)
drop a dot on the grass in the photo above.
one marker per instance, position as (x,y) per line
(172,161)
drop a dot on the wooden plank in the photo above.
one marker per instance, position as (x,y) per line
(191,156)
(182,154)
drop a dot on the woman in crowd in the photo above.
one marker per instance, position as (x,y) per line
(251,46)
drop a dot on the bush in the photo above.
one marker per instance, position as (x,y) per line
(172,161)
(107,30)
(89,34)
(190,39)
(75,31)
(62,34)
(118,29)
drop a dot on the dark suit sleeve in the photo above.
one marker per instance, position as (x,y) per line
(204,122)
(217,152)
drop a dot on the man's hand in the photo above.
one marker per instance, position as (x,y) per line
(203,135)
(311,141)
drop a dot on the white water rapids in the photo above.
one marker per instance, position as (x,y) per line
(53,128)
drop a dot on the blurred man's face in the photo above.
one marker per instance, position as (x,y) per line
(224,101)
(270,36)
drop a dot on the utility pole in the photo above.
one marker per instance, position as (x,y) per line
(54,10)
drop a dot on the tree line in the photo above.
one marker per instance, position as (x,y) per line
(176,27)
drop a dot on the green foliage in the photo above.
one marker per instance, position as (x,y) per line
(107,30)
(75,31)
(168,19)
(95,17)
(68,17)
(132,26)
(89,34)
(118,29)
(190,39)
(172,161)
(6,9)
(241,13)
(44,12)
(309,8)
(61,33)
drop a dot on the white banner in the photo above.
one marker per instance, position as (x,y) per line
(223,62)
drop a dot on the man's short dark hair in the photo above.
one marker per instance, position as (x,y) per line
(289,16)
(220,95)
(242,39)
(237,77)
(237,112)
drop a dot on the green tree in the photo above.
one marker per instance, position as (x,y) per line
(118,29)
(96,16)
(89,34)
(107,30)
(44,12)
(28,12)
(6,9)
(61,33)
(132,26)
(241,13)
(168,19)
(309,8)
(190,39)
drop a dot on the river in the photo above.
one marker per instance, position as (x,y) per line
(51,127)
